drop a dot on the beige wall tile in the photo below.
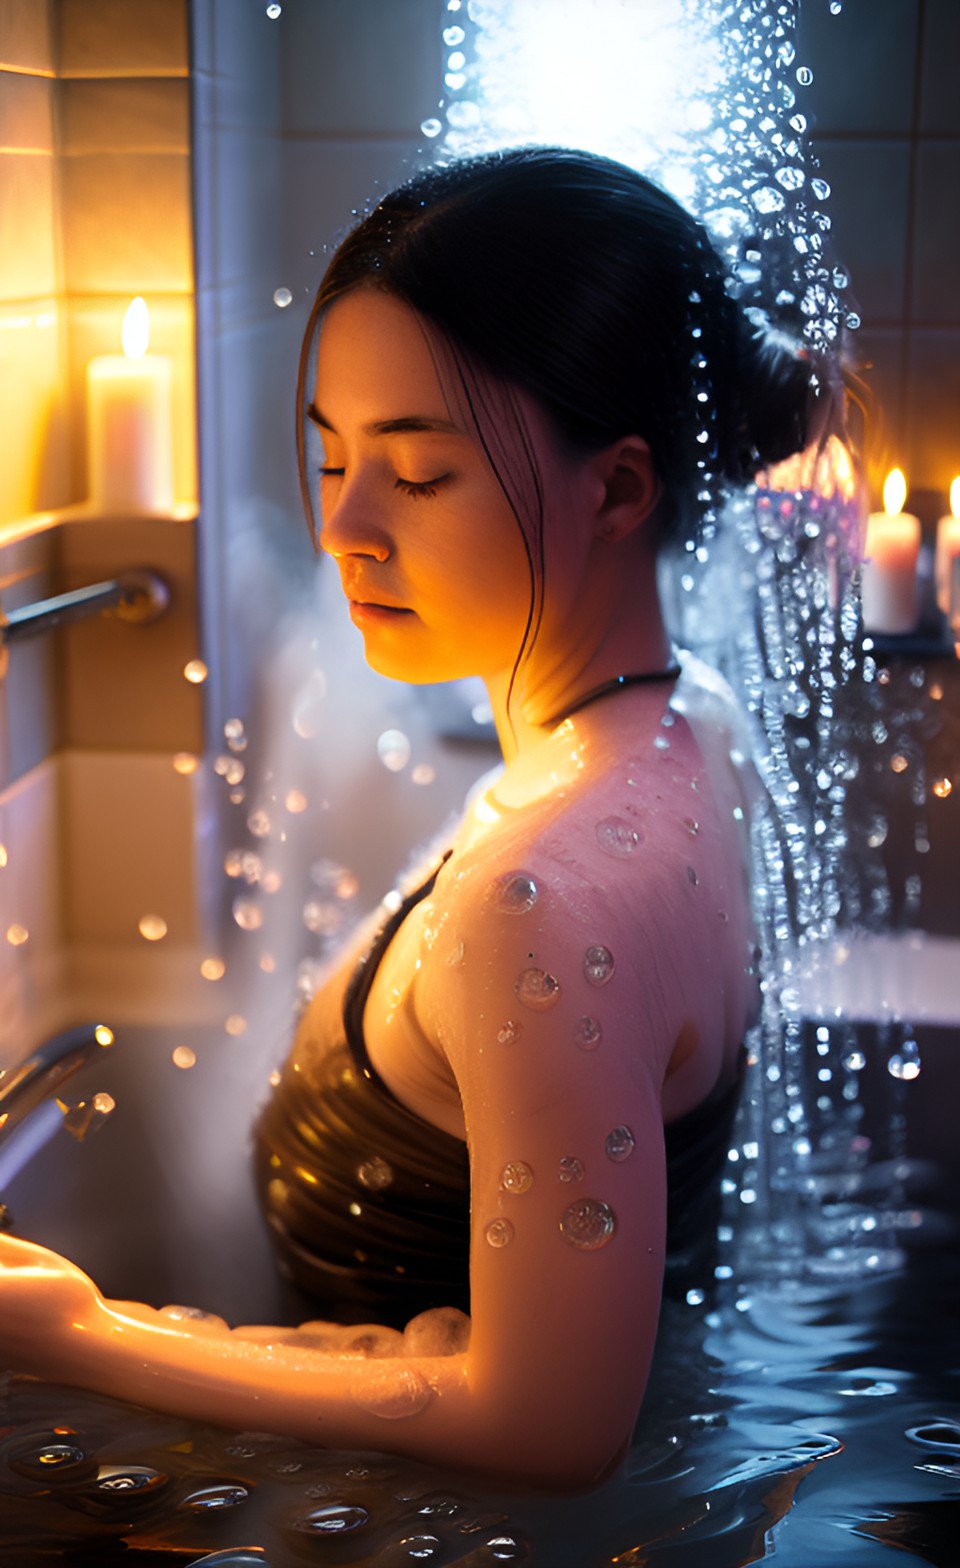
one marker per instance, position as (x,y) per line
(26,112)
(123,38)
(33,473)
(28,263)
(933,428)
(93,327)
(145,115)
(126,223)
(26,35)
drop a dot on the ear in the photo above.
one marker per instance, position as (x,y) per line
(629,484)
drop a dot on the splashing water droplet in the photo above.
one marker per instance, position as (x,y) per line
(375,1174)
(393,749)
(515,893)
(804,75)
(619,1144)
(617,837)
(184,1057)
(248,916)
(537,989)
(153,928)
(274,10)
(517,1177)
(195,671)
(282,298)
(598,965)
(588,1033)
(499,1233)
(431,127)
(905,1063)
(259,824)
(588,1224)
(17,935)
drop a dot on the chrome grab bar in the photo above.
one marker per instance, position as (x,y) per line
(138,595)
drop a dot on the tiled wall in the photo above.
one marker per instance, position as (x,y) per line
(885,107)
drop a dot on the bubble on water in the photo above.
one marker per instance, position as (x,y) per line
(517,1177)
(431,127)
(509,1032)
(391,1391)
(225,1494)
(617,837)
(393,749)
(571,1169)
(259,823)
(537,989)
(375,1174)
(153,928)
(248,916)
(499,1233)
(588,1033)
(588,1224)
(282,298)
(184,1057)
(515,893)
(619,1144)
(598,965)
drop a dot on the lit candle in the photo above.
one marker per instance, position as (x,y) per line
(889,582)
(130,423)
(948,551)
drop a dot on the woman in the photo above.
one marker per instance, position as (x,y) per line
(527,379)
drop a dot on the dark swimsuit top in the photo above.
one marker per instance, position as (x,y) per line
(369,1204)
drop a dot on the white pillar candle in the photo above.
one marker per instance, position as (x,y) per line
(130,423)
(948,550)
(889,583)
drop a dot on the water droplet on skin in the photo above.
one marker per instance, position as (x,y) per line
(420,1547)
(333,1519)
(619,1144)
(282,298)
(455,956)
(509,1032)
(587,1034)
(692,826)
(129,1478)
(617,837)
(248,916)
(588,1224)
(390,1391)
(571,1169)
(517,1177)
(515,893)
(537,989)
(598,965)
(692,876)
(499,1233)
(393,749)
(375,1174)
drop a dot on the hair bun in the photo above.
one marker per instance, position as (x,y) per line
(778,404)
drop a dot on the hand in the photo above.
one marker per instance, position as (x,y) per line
(44,1301)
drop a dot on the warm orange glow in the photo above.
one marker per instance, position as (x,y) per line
(829,470)
(955,496)
(135,332)
(894,491)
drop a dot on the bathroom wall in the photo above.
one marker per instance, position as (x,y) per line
(885,112)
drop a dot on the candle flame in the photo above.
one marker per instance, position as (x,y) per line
(135,332)
(894,491)
(955,496)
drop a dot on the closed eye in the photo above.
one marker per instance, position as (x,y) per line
(426,487)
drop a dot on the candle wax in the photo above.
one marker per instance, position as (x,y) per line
(130,433)
(889,583)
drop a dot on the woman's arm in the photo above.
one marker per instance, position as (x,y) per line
(564,1126)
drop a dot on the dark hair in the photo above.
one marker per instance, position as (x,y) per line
(577,279)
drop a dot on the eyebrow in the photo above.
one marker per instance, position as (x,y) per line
(405,425)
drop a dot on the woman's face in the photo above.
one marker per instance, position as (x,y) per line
(430,554)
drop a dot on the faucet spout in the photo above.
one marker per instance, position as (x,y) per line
(29,1113)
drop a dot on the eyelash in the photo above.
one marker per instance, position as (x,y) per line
(424,489)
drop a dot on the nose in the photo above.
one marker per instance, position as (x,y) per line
(348,525)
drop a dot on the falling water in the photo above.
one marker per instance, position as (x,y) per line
(836,735)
